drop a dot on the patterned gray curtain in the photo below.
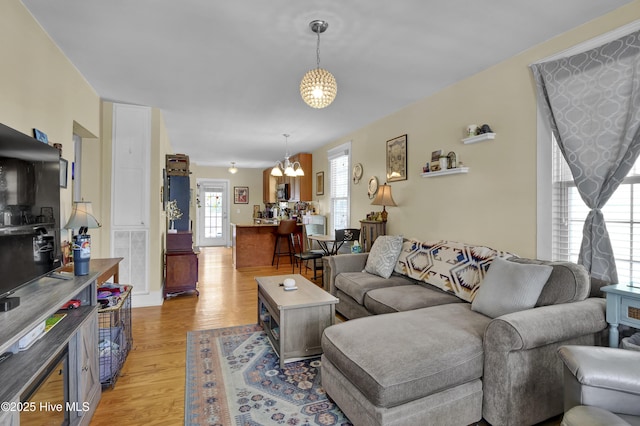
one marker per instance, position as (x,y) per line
(592,102)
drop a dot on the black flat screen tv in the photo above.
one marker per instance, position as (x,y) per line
(29,210)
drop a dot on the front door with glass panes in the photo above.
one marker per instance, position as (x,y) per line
(213,222)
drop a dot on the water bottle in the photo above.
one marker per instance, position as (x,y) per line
(81,254)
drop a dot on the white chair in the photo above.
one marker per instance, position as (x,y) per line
(601,386)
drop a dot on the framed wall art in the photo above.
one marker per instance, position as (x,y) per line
(320,183)
(240,195)
(397,159)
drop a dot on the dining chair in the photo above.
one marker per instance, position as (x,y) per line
(310,253)
(344,236)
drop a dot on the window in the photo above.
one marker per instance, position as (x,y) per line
(621,214)
(339,160)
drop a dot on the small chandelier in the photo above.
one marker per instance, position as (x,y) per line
(233,169)
(318,87)
(289,168)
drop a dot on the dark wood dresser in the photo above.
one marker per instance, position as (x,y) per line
(181,265)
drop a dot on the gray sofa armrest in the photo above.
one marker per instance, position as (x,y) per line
(521,365)
(608,378)
(544,325)
(334,265)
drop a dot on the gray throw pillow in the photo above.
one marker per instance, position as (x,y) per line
(510,287)
(384,255)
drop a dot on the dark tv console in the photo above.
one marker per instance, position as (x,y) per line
(75,338)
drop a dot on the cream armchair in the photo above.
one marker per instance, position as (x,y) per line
(601,386)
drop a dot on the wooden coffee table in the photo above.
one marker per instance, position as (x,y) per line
(294,319)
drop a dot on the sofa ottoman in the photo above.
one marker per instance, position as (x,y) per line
(436,382)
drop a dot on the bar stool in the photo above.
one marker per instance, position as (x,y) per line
(286,230)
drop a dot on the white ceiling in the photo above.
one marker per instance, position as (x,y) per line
(226,73)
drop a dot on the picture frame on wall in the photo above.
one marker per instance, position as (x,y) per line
(397,159)
(320,183)
(64,172)
(240,195)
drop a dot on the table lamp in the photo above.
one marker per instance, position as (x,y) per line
(82,218)
(384,199)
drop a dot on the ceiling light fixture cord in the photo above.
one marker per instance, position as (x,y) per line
(318,47)
(286,145)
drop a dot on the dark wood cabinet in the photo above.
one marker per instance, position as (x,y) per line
(181,265)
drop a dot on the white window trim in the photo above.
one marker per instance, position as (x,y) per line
(344,149)
(544,147)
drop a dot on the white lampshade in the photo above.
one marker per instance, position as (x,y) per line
(276,171)
(384,199)
(289,171)
(233,169)
(82,216)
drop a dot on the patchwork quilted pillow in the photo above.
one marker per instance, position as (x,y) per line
(455,267)
(384,255)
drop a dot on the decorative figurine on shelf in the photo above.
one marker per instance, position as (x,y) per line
(484,129)
(452,162)
(173,213)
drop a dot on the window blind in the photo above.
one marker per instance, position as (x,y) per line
(339,179)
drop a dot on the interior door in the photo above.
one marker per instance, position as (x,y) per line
(213,213)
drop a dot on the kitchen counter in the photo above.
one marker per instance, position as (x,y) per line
(253,244)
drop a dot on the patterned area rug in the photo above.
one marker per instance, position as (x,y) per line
(234,378)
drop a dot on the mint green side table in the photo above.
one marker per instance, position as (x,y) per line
(623,307)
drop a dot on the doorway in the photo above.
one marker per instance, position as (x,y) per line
(213,212)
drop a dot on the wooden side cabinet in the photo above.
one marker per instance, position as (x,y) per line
(369,231)
(181,265)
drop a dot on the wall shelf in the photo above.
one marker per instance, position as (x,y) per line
(455,171)
(479,138)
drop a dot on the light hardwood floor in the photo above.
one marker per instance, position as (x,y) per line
(150,390)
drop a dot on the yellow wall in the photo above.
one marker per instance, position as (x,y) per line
(495,204)
(42,89)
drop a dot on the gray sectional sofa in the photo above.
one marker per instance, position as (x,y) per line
(420,349)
